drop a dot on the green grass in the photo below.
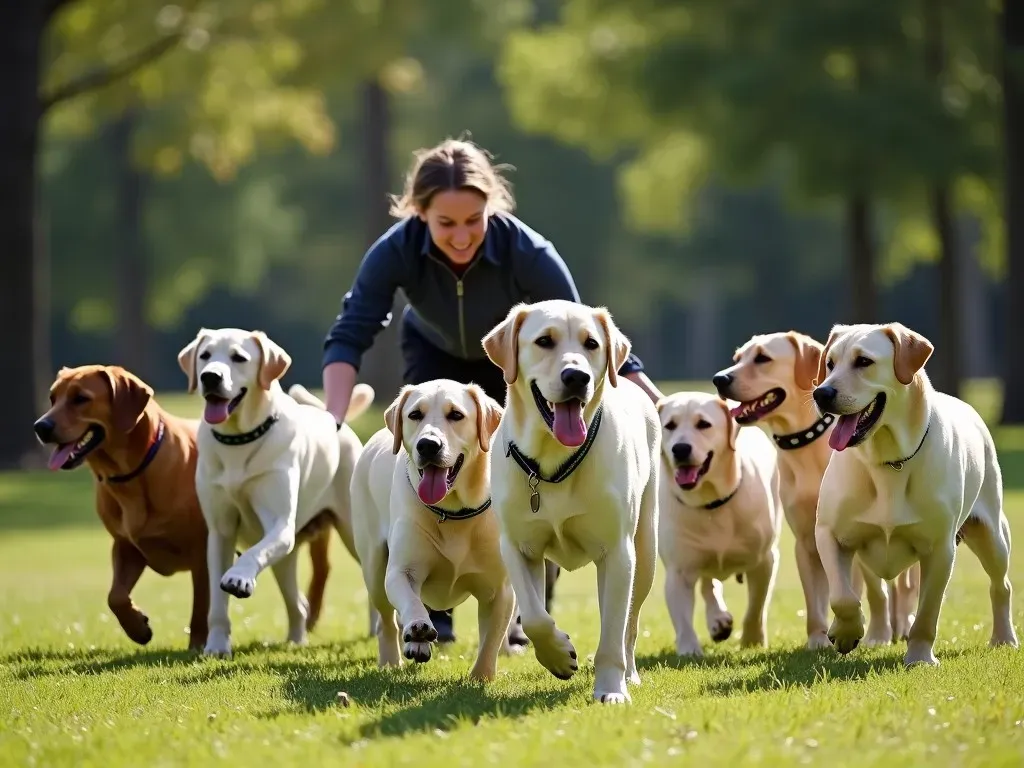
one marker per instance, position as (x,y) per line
(75,690)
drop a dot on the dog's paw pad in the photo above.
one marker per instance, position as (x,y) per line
(418,652)
(721,628)
(419,632)
(557,655)
(239,586)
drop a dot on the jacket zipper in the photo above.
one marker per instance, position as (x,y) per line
(460,291)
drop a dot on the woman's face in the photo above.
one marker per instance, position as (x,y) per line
(457,219)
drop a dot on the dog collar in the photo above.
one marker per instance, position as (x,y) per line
(246,437)
(717,502)
(804,437)
(154,446)
(532,468)
(466,513)
(898,464)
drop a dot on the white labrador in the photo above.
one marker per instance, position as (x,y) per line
(914,471)
(574,478)
(422,521)
(268,467)
(721,515)
(772,377)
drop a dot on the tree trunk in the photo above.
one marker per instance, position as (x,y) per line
(382,364)
(23,340)
(948,373)
(131,337)
(862,259)
(1012,33)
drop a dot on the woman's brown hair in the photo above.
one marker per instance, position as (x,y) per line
(452,164)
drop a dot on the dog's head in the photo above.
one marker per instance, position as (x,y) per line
(766,371)
(862,368)
(227,363)
(561,352)
(443,425)
(697,431)
(90,405)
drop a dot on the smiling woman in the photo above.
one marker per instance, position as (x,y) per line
(463,260)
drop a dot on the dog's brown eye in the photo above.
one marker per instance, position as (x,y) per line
(591,344)
(862,362)
(670,426)
(545,342)
(702,424)
(80,399)
(415,415)
(456,416)
(830,365)
(204,355)
(762,358)
(237,358)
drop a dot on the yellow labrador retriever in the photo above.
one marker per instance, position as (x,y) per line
(772,377)
(270,472)
(422,522)
(720,515)
(574,478)
(914,472)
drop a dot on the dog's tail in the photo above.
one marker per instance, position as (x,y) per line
(362,398)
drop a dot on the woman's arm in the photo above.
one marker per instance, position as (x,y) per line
(365,312)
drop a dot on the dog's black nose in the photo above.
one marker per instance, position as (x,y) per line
(575,379)
(211,379)
(44,429)
(428,447)
(824,396)
(722,382)
(681,451)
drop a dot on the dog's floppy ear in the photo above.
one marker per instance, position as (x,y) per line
(187,358)
(615,342)
(730,424)
(488,416)
(129,398)
(912,351)
(837,331)
(274,361)
(502,342)
(808,359)
(393,417)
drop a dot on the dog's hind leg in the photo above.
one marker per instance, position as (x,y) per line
(992,547)
(646,546)
(319,555)
(286,573)
(493,618)
(760,586)
(383,621)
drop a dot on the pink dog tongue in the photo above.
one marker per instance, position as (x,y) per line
(686,475)
(433,485)
(842,432)
(60,455)
(216,411)
(569,428)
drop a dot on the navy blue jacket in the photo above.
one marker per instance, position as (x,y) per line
(514,264)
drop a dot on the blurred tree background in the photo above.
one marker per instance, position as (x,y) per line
(708,170)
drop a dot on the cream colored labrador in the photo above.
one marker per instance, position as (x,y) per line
(268,467)
(574,477)
(721,515)
(422,521)
(772,377)
(914,471)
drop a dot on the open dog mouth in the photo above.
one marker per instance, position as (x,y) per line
(436,481)
(70,455)
(753,410)
(688,475)
(853,428)
(218,408)
(565,419)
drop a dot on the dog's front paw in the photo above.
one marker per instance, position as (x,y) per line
(689,648)
(419,632)
(238,583)
(879,633)
(847,628)
(556,654)
(218,645)
(920,652)
(138,629)
(720,627)
(614,697)
(817,641)
(418,652)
